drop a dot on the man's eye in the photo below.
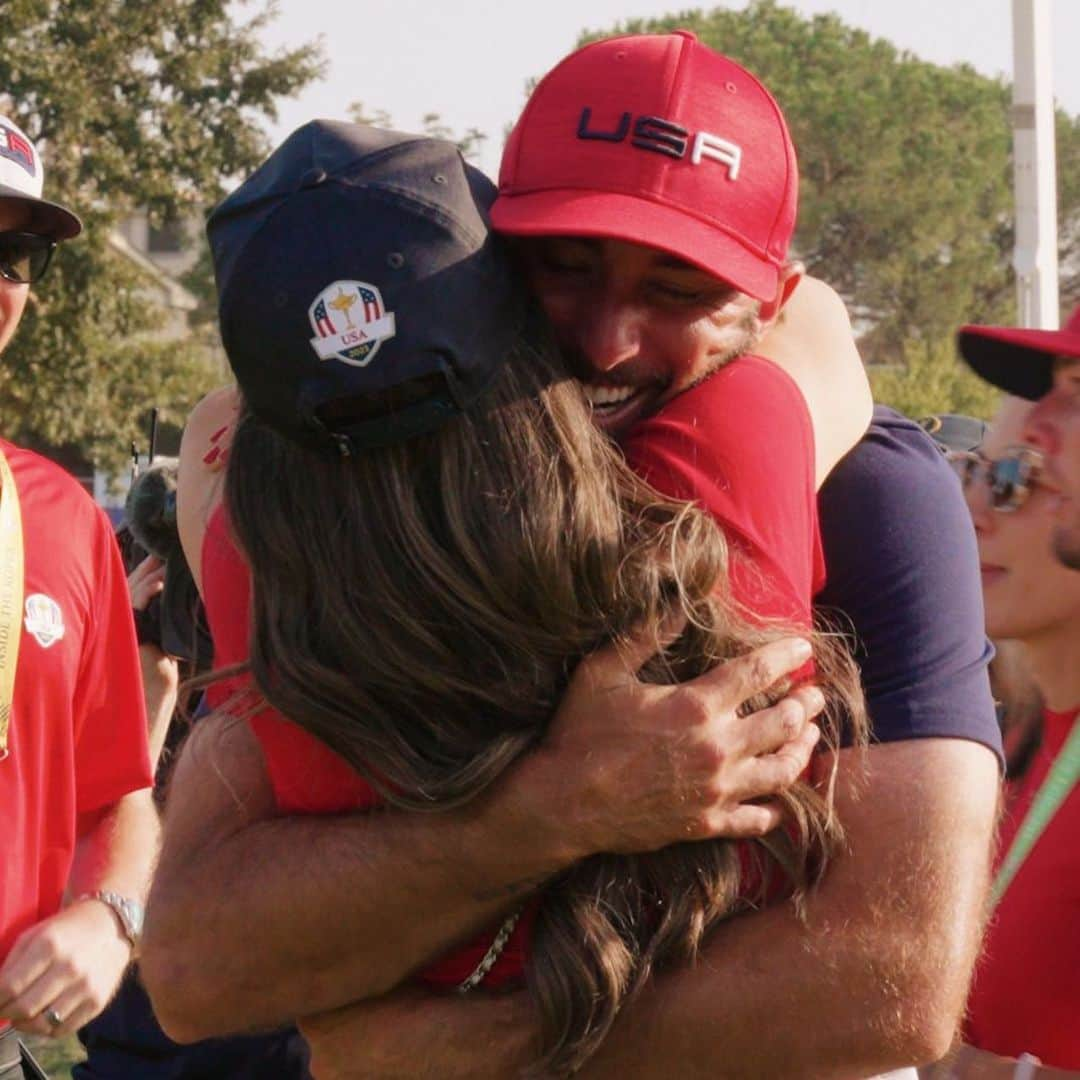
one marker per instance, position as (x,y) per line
(679,294)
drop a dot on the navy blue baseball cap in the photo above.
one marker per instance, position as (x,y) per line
(363,298)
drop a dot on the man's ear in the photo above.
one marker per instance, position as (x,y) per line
(791,273)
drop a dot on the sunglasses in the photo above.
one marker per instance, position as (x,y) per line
(1010,478)
(24,256)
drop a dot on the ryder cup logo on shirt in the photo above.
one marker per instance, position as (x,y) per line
(44,619)
(350,321)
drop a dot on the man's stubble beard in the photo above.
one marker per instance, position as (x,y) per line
(749,329)
(1067,546)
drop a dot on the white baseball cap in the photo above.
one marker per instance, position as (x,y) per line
(22,180)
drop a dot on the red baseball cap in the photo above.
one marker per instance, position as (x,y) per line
(1019,361)
(658,140)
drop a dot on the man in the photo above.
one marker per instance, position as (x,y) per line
(80,829)
(654,270)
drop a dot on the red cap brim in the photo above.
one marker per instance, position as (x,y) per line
(1020,361)
(639,221)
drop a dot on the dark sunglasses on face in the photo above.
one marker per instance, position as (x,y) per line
(24,256)
(1010,478)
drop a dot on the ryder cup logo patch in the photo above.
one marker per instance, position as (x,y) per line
(350,322)
(44,619)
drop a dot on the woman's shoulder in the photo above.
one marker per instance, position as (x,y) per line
(203,453)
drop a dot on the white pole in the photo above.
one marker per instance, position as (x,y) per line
(1035,166)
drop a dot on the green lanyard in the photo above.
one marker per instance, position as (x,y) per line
(1053,791)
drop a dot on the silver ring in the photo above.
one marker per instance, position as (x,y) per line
(54,1018)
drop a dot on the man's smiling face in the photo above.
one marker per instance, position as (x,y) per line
(635,324)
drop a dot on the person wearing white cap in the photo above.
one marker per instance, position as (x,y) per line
(79,829)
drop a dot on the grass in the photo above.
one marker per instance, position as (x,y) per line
(55,1056)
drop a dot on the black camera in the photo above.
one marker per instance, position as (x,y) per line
(174,620)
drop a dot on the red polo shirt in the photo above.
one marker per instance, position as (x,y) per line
(1026,995)
(78,728)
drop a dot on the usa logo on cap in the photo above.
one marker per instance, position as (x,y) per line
(350,321)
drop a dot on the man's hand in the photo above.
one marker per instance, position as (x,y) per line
(414,1035)
(146,581)
(635,766)
(69,965)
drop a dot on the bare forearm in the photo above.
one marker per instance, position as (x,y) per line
(878,975)
(118,848)
(296,915)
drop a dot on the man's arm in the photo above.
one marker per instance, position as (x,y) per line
(874,979)
(295,916)
(878,975)
(73,961)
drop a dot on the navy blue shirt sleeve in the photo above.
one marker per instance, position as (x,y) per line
(903,575)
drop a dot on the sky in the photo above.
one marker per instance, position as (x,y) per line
(470,60)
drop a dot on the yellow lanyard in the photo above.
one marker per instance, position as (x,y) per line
(11,595)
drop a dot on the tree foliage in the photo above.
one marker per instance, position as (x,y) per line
(906,203)
(468,142)
(133,105)
(929,379)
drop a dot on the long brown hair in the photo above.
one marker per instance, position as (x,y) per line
(420,609)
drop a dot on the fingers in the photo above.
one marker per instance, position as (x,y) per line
(768,730)
(620,662)
(26,963)
(773,773)
(750,820)
(757,671)
(146,581)
(33,1001)
(75,1008)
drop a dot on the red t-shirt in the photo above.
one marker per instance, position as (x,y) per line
(1026,994)
(78,739)
(740,444)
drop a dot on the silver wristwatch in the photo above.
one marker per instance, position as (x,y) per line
(128,912)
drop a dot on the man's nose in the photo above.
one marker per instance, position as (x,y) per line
(609,333)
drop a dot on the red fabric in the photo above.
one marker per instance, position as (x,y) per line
(78,737)
(1026,995)
(696,449)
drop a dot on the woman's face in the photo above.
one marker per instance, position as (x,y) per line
(1028,593)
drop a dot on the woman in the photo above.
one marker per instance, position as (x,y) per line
(420,606)
(1024,1001)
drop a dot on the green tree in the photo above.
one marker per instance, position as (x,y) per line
(134,105)
(469,142)
(906,202)
(929,379)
